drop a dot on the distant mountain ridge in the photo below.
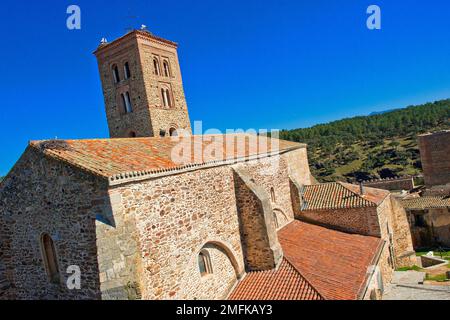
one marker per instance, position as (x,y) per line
(380,145)
(382,112)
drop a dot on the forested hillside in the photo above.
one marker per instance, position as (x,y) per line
(376,146)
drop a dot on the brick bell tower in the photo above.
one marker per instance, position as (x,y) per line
(142,86)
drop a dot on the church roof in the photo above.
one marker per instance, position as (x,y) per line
(427,202)
(283,283)
(318,263)
(340,195)
(125,159)
(335,263)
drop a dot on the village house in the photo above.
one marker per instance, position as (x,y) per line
(429,208)
(240,217)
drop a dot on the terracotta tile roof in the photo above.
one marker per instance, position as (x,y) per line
(284,283)
(333,262)
(130,157)
(421,203)
(340,195)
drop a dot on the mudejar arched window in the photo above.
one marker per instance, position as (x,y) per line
(126,70)
(126,102)
(156,66)
(204,263)
(166,68)
(49,256)
(115,71)
(166,97)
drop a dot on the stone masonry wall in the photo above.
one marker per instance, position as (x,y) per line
(121,124)
(178,215)
(119,258)
(402,238)
(298,166)
(435,155)
(358,220)
(262,251)
(164,118)
(175,217)
(404,183)
(148,116)
(395,231)
(41,195)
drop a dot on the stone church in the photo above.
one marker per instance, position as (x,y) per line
(240,217)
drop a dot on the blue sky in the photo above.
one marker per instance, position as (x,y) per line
(245,64)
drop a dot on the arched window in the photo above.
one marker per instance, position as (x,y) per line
(49,256)
(272,195)
(165,93)
(173,132)
(126,70)
(156,67)
(204,263)
(169,102)
(126,102)
(115,72)
(132,134)
(275,219)
(162,133)
(166,68)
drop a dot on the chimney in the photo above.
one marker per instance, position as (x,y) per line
(361,188)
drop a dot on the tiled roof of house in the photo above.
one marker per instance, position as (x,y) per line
(284,283)
(340,195)
(335,263)
(119,159)
(421,203)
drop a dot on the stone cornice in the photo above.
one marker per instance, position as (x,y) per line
(138,34)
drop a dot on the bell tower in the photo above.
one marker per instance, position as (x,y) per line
(142,86)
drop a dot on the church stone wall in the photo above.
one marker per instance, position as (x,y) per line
(298,166)
(177,215)
(118,252)
(39,196)
(262,251)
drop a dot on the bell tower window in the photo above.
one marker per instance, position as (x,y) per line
(126,70)
(115,71)
(166,68)
(165,93)
(126,102)
(156,66)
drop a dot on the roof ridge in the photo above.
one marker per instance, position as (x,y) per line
(355,193)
